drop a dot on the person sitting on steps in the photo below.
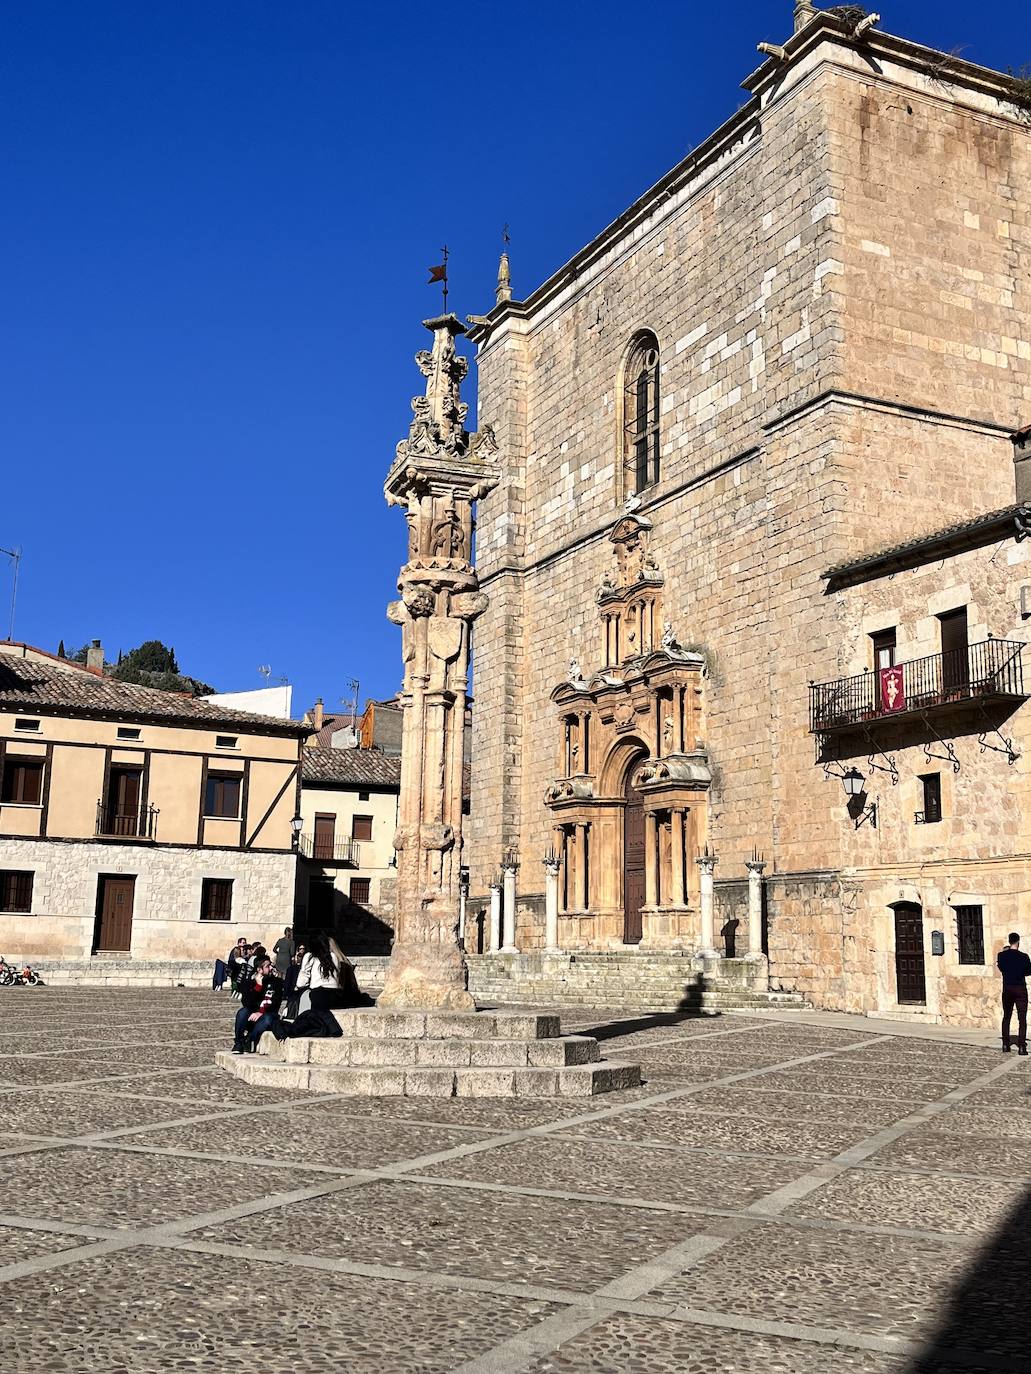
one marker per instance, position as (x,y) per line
(329,976)
(261,993)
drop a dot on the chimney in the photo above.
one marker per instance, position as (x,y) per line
(316,715)
(95,657)
(1022,464)
(804,11)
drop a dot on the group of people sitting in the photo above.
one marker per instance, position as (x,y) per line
(321,970)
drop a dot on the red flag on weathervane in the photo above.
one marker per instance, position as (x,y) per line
(438,274)
(893,691)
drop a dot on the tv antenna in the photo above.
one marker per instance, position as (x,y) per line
(15,556)
(265,670)
(351,703)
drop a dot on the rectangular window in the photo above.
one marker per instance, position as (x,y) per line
(29,726)
(931,787)
(325,835)
(363,796)
(970,925)
(216,899)
(361,828)
(129,732)
(222,796)
(227,741)
(360,890)
(15,891)
(22,781)
(883,645)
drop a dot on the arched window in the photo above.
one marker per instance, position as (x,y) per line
(641,414)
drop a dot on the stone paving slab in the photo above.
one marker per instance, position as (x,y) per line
(504,1237)
(189,1312)
(17,1243)
(115,1189)
(911,1200)
(624,1170)
(754,1100)
(59,1113)
(726,1133)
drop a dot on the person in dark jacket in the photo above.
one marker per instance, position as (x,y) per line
(1014,965)
(236,964)
(260,994)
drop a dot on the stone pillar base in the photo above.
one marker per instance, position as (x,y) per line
(427,977)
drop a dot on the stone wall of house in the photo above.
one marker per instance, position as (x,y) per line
(167,899)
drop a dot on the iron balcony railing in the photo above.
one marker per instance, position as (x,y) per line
(330,851)
(132,825)
(980,672)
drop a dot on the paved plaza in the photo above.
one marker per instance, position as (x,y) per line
(780,1195)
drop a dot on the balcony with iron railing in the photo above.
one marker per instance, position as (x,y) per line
(984,673)
(139,824)
(323,851)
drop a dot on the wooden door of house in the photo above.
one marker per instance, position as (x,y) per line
(909,954)
(633,864)
(114,914)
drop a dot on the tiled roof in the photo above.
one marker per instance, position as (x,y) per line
(26,685)
(354,766)
(980,529)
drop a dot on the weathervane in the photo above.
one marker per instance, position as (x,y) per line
(439,273)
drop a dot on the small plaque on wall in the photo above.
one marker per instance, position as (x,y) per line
(937,942)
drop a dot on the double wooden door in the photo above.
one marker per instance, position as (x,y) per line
(114,914)
(633,864)
(910,982)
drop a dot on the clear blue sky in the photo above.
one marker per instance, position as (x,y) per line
(217,220)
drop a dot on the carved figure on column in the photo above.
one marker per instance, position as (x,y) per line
(438,473)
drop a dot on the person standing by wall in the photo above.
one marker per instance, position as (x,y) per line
(1014,965)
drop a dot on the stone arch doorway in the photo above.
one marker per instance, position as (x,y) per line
(634,858)
(910,977)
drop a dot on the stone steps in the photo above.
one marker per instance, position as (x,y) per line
(437,1054)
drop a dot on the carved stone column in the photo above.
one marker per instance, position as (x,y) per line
(651,858)
(755,905)
(677,856)
(706,866)
(584,874)
(552,865)
(495,916)
(439,472)
(509,908)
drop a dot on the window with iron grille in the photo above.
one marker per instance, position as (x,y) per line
(22,781)
(360,890)
(216,899)
(222,796)
(641,414)
(15,890)
(361,828)
(970,924)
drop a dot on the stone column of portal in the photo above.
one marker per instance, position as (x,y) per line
(755,905)
(677,856)
(651,858)
(495,915)
(439,472)
(706,866)
(509,909)
(463,899)
(552,865)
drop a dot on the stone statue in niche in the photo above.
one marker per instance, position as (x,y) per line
(448,539)
(669,638)
(667,735)
(575,675)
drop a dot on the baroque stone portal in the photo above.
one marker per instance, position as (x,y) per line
(439,472)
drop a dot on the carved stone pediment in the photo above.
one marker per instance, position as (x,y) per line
(578,788)
(690,770)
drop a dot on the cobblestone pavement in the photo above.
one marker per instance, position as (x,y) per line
(780,1195)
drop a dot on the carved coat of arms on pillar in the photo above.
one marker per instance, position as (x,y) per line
(439,472)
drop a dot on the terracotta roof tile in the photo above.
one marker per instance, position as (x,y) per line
(344,766)
(26,685)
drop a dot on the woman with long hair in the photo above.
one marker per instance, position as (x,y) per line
(329,976)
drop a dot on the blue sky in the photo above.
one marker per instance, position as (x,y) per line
(217,220)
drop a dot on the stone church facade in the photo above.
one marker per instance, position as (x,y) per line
(752,441)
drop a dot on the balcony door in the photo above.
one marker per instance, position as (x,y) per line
(325,836)
(114,914)
(122,813)
(910,983)
(955,643)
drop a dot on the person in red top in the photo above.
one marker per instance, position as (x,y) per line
(1014,965)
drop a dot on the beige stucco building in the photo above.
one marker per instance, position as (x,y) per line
(348,867)
(808,345)
(135,821)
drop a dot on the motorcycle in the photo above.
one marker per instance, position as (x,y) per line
(16,978)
